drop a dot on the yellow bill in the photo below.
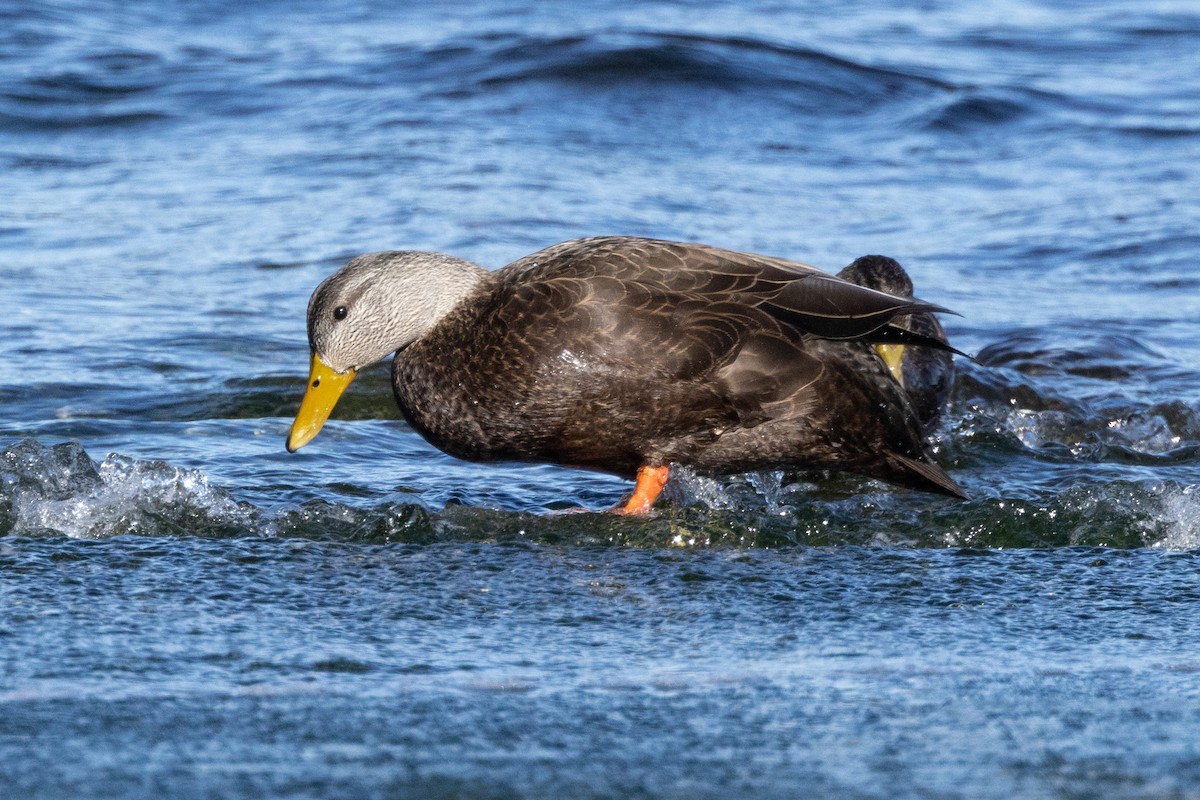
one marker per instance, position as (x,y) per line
(893,356)
(324,388)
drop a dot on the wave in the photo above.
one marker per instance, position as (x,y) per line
(1104,397)
(69,81)
(972,110)
(672,71)
(730,63)
(671,67)
(60,491)
(112,87)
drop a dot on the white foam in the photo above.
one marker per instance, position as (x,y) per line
(130,497)
(1181,515)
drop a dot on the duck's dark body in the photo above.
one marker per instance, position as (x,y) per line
(615,353)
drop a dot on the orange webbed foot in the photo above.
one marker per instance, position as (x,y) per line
(650,482)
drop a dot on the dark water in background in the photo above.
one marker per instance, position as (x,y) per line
(186,610)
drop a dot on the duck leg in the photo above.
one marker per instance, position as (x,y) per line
(650,482)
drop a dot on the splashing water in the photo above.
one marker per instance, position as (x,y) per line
(59,490)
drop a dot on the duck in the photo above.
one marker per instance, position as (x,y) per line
(631,356)
(926,373)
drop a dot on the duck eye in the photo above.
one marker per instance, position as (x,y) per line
(340,312)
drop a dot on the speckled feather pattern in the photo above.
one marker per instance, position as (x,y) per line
(616,352)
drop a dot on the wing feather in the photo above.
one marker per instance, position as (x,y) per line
(798,294)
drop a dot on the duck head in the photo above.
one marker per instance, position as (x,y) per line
(375,305)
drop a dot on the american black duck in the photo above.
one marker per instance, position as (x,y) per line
(926,373)
(628,355)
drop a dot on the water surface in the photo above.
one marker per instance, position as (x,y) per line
(187,610)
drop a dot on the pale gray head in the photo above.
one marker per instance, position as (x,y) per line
(382,302)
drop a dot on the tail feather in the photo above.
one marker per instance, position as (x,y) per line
(894,334)
(923,475)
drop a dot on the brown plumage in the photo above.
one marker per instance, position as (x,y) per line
(626,355)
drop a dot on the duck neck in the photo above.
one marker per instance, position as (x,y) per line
(453,281)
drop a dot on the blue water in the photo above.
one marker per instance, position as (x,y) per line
(186,610)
